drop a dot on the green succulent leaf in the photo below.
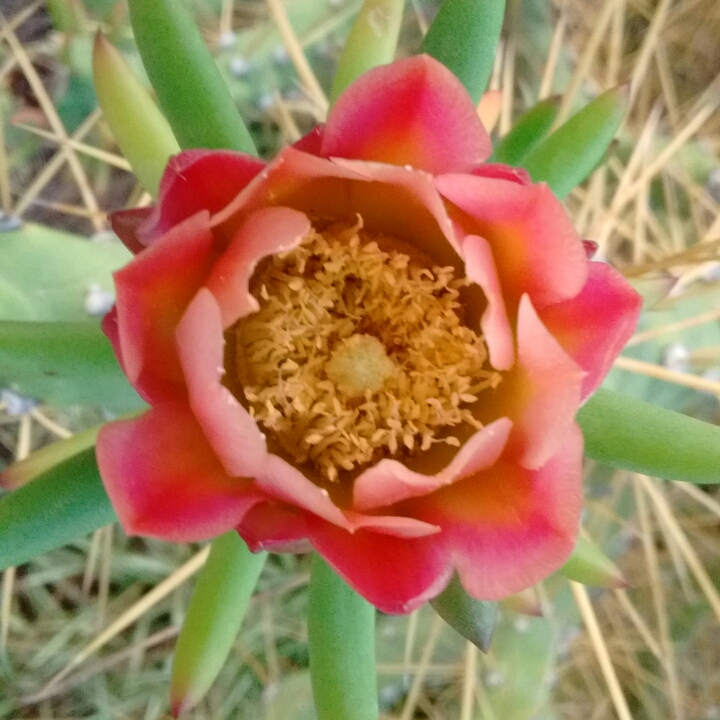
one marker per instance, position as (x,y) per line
(573,151)
(527,133)
(189,86)
(46,458)
(61,504)
(372,41)
(46,274)
(464,37)
(141,130)
(341,636)
(219,602)
(634,435)
(63,363)
(474,619)
(523,658)
(589,565)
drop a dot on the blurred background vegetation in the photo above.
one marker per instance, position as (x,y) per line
(87,631)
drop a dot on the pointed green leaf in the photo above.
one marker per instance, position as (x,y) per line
(635,435)
(46,458)
(341,636)
(464,37)
(574,150)
(523,662)
(474,619)
(141,130)
(55,508)
(372,41)
(63,363)
(189,86)
(590,566)
(219,602)
(527,133)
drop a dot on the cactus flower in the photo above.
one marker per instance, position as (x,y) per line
(374,346)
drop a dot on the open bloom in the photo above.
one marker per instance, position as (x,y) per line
(375,345)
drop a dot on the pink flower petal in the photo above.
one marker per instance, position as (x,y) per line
(230,430)
(416,192)
(411,112)
(594,326)
(109,326)
(536,248)
(391,200)
(275,527)
(497,171)
(228,427)
(196,180)
(390,481)
(548,390)
(285,482)
(264,232)
(125,224)
(395,574)
(152,293)
(312,142)
(507,528)
(480,268)
(295,179)
(164,480)
(395,525)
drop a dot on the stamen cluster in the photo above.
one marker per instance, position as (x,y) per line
(342,296)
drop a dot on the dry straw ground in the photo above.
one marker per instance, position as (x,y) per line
(88,630)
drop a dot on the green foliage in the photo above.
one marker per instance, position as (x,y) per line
(67,501)
(464,37)
(524,650)
(64,363)
(341,636)
(631,434)
(140,129)
(190,89)
(574,150)
(46,274)
(216,611)
(372,41)
(474,619)
(527,133)
(590,566)
(684,343)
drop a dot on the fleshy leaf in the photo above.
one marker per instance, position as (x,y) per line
(46,458)
(219,602)
(63,363)
(634,435)
(141,130)
(47,274)
(464,37)
(523,657)
(474,619)
(372,41)
(55,508)
(590,566)
(341,636)
(574,150)
(189,86)
(527,133)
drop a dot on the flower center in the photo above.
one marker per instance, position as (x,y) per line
(358,351)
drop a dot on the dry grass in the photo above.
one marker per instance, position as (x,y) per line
(87,631)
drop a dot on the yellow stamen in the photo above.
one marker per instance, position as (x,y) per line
(358,351)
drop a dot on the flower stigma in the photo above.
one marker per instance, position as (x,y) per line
(358,351)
